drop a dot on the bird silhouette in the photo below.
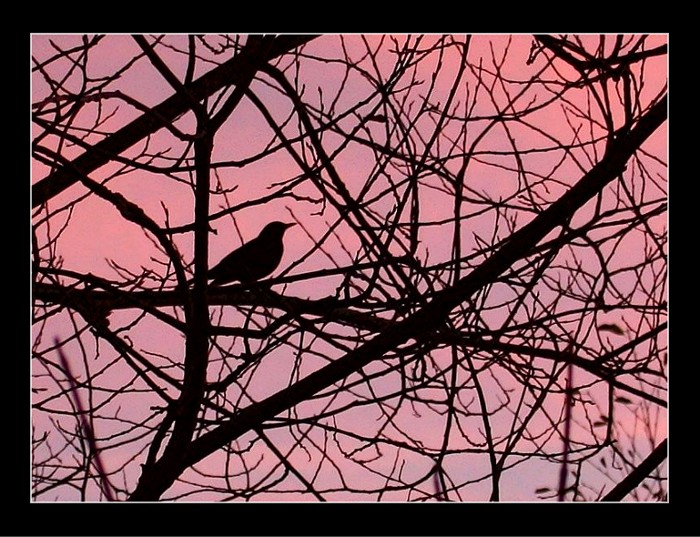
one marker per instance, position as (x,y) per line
(254,260)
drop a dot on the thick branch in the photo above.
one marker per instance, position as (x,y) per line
(639,474)
(433,315)
(160,116)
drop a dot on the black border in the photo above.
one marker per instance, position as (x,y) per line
(21,517)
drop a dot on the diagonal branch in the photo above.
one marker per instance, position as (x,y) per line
(160,116)
(639,474)
(430,317)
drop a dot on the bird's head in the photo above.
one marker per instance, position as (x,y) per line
(275,229)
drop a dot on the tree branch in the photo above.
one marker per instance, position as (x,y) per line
(162,114)
(431,316)
(639,474)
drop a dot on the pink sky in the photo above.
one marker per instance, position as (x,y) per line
(97,233)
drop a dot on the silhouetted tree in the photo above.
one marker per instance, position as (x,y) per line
(473,296)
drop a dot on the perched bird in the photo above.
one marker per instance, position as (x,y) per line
(254,260)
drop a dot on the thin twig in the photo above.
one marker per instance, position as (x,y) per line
(567,432)
(85,425)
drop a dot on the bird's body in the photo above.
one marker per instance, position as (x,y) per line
(254,260)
